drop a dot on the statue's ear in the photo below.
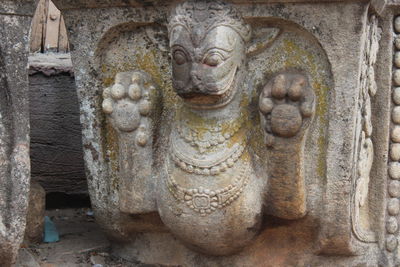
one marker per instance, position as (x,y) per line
(262,37)
(158,35)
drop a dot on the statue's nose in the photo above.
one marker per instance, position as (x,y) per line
(195,75)
(196,79)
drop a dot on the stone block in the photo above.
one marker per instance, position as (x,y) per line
(240,133)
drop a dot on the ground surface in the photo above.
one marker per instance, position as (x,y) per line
(81,244)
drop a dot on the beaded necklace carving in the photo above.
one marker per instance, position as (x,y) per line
(206,201)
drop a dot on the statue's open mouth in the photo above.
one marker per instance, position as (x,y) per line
(211,100)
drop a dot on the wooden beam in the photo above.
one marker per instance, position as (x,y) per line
(38,25)
(52,28)
(63,37)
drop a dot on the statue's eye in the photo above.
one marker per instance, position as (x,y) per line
(180,57)
(214,59)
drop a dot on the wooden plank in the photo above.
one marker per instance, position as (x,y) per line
(63,37)
(46,12)
(52,28)
(38,25)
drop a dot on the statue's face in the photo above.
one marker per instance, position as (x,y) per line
(205,67)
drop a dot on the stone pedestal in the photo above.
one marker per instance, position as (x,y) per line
(239,133)
(15,18)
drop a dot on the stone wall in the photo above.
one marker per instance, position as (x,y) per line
(15,19)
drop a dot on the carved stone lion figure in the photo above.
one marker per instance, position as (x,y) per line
(208,193)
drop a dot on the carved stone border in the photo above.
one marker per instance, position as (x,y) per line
(364,142)
(393,202)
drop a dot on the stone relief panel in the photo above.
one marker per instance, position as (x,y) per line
(299,76)
(124,52)
(364,144)
(225,140)
(287,107)
(131,107)
(249,144)
(134,73)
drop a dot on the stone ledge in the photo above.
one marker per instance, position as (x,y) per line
(50,64)
(74,4)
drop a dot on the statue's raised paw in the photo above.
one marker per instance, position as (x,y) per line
(128,104)
(287,105)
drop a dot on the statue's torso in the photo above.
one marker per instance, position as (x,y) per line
(212,201)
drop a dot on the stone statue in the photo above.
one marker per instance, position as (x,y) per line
(209,195)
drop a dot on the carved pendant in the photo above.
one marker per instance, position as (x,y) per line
(206,201)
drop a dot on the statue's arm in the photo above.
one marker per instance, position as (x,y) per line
(130,105)
(286,107)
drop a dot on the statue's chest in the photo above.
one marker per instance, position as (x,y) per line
(210,198)
(206,182)
(206,193)
(211,210)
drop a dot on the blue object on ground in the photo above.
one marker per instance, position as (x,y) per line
(50,231)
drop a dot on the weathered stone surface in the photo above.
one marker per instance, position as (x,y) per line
(394,189)
(379,5)
(393,206)
(396,115)
(18,7)
(211,183)
(394,167)
(396,95)
(392,225)
(36,213)
(15,18)
(396,134)
(26,259)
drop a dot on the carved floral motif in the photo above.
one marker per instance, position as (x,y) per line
(365,145)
